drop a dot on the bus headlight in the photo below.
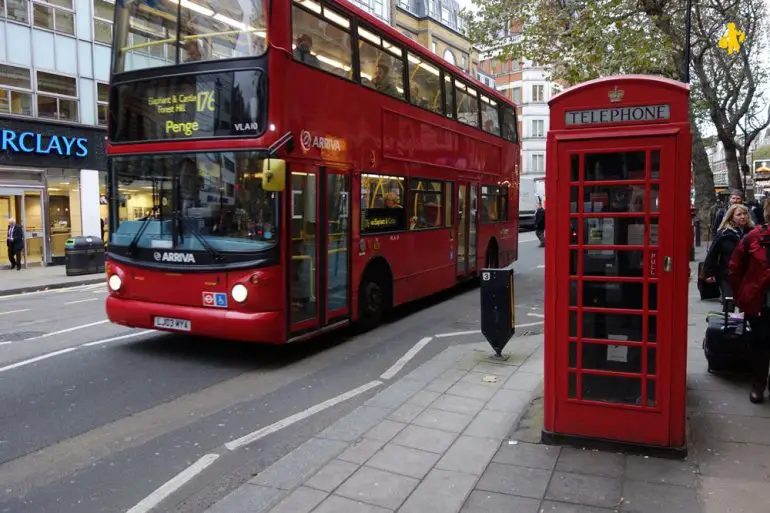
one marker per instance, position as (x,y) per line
(115,283)
(239,292)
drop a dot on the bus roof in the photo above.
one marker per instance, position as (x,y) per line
(416,48)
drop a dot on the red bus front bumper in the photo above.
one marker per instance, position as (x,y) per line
(205,322)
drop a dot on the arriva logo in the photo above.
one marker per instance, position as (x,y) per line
(178,258)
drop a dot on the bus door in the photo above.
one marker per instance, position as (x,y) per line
(320,237)
(467,210)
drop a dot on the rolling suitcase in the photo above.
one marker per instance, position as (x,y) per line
(726,343)
(707,290)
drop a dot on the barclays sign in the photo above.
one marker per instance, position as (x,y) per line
(50,144)
(31,142)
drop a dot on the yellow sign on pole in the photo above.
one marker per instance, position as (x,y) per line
(732,40)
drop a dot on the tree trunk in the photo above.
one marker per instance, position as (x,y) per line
(734,178)
(705,197)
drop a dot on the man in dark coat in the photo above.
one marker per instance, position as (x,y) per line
(15,242)
(540,222)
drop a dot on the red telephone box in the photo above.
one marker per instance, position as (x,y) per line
(617,263)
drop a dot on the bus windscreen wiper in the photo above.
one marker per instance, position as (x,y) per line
(197,234)
(141,230)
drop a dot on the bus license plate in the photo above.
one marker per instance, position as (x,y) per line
(173,324)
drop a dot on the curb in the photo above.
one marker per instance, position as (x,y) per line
(51,286)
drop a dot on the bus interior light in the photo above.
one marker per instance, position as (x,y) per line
(239,292)
(115,283)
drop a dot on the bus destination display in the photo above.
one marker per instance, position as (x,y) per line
(212,105)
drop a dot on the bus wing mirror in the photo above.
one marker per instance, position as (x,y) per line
(274,175)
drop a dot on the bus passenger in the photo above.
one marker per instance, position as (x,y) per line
(192,50)
(417,98)
(302,52)
(382,81)
(391,201)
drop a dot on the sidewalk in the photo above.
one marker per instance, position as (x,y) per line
(461,434)
(42,278)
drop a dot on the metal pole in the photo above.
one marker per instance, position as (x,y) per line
(687,29)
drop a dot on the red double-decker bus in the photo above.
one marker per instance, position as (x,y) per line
(282,168)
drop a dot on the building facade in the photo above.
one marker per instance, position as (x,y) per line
(529,86)
(438,26)
(54,75)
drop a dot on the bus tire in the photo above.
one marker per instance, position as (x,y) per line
(373,301)
(493,256)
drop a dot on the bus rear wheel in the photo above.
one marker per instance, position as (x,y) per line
(372,303)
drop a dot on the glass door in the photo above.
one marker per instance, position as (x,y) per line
(337,255)
(615,341)
(303,267)
(472,224)
(34,228)
(6,212)
(462,230)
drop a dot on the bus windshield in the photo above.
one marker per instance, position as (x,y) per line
(201,201)
(153,33)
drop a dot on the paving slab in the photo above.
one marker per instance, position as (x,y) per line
(332,475)
(378,487)
(247,499)
(509,400)
(458,404)
(724,495)
(527,381)
(385,430)
(565,507)
(297,466)
(301,500)
(489,502)
(492,424)
(597,463)
(583,489)
(528,455)
(402,460)
(650,497)
(469,454)
(662,471)
(522,481)
(426,439)
(336,504)
(361,450)
(442,491)
(444,420)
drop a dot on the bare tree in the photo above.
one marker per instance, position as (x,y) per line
(730,83)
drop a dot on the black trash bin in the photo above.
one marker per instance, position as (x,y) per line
(84,255)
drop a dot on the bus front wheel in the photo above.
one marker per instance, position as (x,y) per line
(372,303)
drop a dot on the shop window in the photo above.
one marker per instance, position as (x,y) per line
(494,204)
(382,65)
(322,39)
(64,213)
(15,10)
(104,13)
(509,123)
(489,115)
(13,76)
(425,204)
(13,101)
(382,204)
(449,97)
(102,99)
(54,15)
(424,85)
(57,108)
(467,104)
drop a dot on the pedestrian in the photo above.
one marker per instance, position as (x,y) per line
(736,198)
(749,276)
(736,223)
(540,222)
(15,242)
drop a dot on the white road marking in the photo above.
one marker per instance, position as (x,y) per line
(541,266)
(457,334)
(396,367)
(288,421)
(100,291)
(82,301)
(76,288)
(114,339)
(36,359)
(532,314)
(15,311)
(530,324)
(174,484)
(4,343)
(74,328)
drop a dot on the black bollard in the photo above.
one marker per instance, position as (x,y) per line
(697,233)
